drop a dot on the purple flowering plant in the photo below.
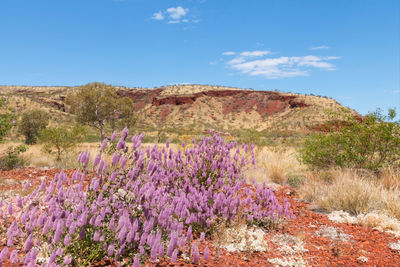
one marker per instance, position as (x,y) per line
(146,203)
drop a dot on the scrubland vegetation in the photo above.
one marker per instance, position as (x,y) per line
(133,200)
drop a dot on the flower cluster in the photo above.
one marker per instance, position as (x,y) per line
(146,203)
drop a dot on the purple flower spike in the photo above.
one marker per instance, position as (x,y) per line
(10,209)
(113,136)
(82,233)
(14,256)
(28,243)
(96,160)
(196,255)
(110,249)
(53,256)
(121,144)
(59,251)
(96,236)
(122,161)
(19,202)
(136,261)
(115,159)
(124,133)
(206,253)
(103,144)
(3,254)
(67,260)
(189,233)
(174,256)
(67,240)
(86,159)
(202,236)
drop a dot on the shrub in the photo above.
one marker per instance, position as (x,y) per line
(145,203)
(32,121)
(6,119)
(370,144)
(59,140)
(13,158)
(295,181)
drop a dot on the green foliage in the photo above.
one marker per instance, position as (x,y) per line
(295,181)
(13,158)
(370,144)
(6,119)
(32,121)
(125,116)
(59,140)
(87,251)
(96,104)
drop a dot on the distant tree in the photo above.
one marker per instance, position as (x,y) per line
(6,119)
(126,116)
(32,121)
(58,140)
(96,104)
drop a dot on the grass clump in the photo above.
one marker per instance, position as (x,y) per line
(353,192)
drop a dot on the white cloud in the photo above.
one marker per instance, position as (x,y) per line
(174,14)
(279,67)
(257,53)
(321,47)
(317,62)
(228,53)
(173,21)
(158,16)
(396,92)
(236,61)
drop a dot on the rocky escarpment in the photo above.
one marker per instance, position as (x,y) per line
(266,102)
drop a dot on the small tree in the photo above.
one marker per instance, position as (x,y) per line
(125,116)
(12,158)
(371,144)
(59,140)
(6,119)
(32,121)
(96,104)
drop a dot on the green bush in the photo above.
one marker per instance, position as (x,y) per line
(6,119)
(13,158)
(295,181)
(32,121)
(370,144)
(59,140)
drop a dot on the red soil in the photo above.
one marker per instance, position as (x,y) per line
(266,102)
(367,242)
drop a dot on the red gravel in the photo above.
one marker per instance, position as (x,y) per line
(322,251)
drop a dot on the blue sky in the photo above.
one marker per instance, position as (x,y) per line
(344,49)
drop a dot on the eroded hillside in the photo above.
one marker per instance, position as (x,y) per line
(198,106)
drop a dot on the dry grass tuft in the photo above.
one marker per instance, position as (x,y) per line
(352,192)
(390,179)
(275,165)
